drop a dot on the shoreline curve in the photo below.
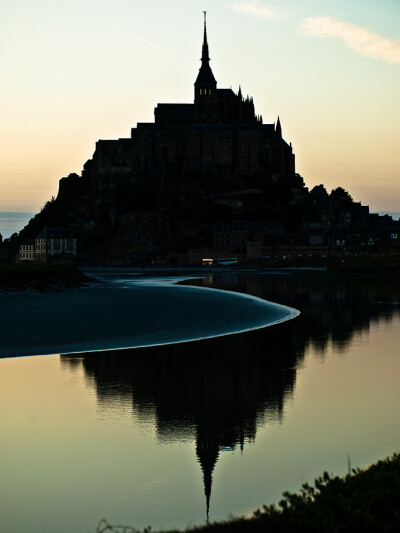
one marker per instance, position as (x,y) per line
(86,327)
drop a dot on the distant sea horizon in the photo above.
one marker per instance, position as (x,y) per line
(14,221)
(394,214)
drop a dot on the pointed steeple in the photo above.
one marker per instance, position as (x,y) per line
(204,54)
(207,452)
(205,84)
(278,127)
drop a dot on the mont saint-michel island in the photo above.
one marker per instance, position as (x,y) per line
(200,331)
(208,179)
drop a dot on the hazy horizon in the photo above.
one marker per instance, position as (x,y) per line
(13,222)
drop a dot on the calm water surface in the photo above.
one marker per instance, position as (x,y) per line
(158,435)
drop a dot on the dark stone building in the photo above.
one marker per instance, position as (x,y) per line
(165,188)
(207,175)
(217,136)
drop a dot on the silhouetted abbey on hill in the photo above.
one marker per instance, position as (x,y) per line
(218,135)
(195,163)
(205,175)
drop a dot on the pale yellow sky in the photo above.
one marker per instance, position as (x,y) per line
(73,72)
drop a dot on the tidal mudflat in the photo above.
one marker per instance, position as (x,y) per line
(125,314)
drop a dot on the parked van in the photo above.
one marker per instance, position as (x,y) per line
(226,261)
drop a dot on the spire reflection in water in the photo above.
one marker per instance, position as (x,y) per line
(215,392)
(219,392)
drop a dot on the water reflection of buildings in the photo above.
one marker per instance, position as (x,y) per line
(333,309)
(216,392)
(219,391)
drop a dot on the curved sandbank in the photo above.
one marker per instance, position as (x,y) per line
(127,314)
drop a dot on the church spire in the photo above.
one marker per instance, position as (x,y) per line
(205,84)
(204,55)
(207,452)
(278,127)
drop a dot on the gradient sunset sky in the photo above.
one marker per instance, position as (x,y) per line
(76,71)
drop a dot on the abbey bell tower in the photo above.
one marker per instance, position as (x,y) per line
(205,84)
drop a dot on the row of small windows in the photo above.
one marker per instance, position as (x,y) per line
(33,253)
(204,91)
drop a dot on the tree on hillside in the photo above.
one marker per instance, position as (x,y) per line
(341,194)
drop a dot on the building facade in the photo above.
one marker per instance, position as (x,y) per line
(219,136)
(49,244)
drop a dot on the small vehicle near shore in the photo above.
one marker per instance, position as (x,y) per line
(207,262)
(226,261)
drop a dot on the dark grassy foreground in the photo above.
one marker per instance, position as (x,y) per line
(40,277)
(367,500)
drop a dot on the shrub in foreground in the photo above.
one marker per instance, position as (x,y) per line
(366,500)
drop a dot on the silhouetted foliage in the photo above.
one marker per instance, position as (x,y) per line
(365,500)
(48,204)
(341,194)
(51,215)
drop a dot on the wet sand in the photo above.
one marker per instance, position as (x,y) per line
(123,315)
